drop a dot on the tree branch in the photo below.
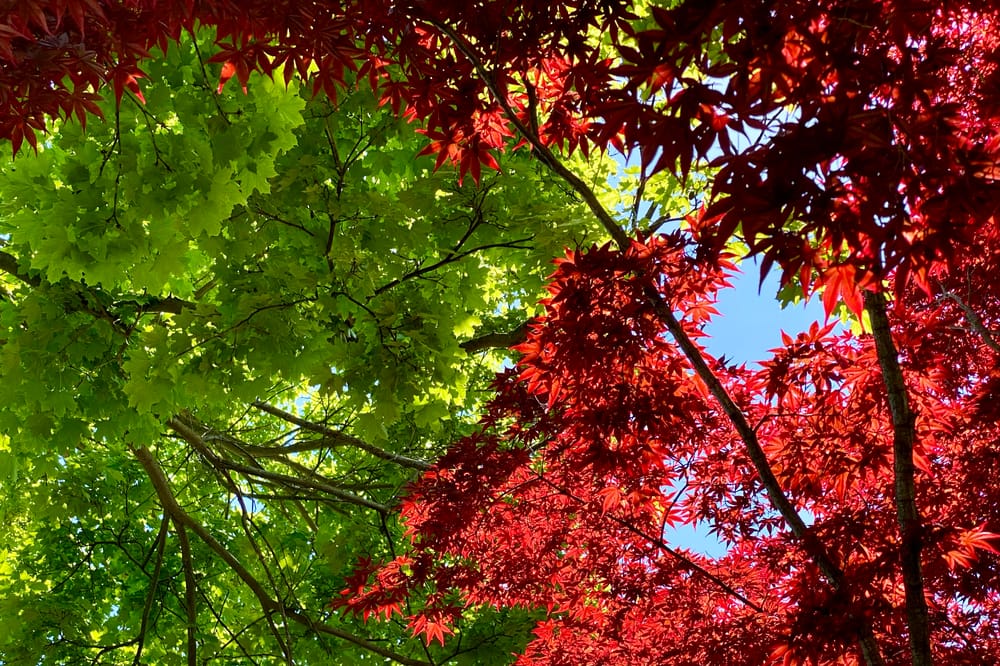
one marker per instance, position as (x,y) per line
(9,265)
(545,155)
(247,523)
(686,562)
(161,542)
(195,440)
(815,549)
(190,594)
(503,340)
(904,472)
(974,321)
(169,503)
(755,452)
(336,438)
(145,304)
(451,257)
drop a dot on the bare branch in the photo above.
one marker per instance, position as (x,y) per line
(496,340)
(196,441)
(974,321)
(247,522)
(332,438)
(268,605)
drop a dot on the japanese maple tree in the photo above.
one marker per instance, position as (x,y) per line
(604,438)
(851,144)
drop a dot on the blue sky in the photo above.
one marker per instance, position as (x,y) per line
(750,324)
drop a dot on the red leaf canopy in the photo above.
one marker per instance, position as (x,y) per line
(602,439)
(871,125)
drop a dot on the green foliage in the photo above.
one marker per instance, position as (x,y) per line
(167,275)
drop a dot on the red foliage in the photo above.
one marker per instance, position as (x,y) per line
(602,438)
(879,119)
(857,144)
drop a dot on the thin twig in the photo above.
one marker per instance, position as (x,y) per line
(196,441)
(686,562)
(974,321)
(269,605)
(335,438)
(451,257)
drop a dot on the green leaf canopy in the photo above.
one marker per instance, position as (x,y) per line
(232,328)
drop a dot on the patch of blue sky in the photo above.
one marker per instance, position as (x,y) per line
(751,320)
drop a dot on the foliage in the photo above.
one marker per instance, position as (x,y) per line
(851,144)
(604,438)
(266,297)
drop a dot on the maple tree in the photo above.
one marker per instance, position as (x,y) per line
(248,319)
(852,145)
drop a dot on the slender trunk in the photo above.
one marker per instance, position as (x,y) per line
(190,595)
(831,571)
(907,515)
